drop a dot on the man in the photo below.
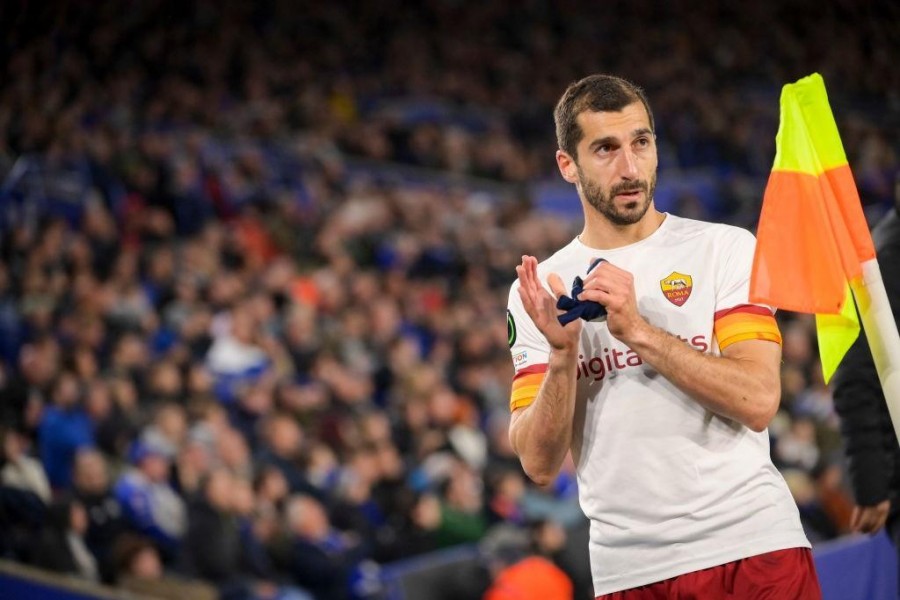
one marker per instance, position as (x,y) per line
(65,427)
(665,403)
(871,445)
(150,504)
(323,560)
(91,487)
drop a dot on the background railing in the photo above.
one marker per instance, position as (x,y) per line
(855,568)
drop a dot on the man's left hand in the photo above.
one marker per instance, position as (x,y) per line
(613,287)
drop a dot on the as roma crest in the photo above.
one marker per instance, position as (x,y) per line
(677,287)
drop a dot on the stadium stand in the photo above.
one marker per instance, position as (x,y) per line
(254,261)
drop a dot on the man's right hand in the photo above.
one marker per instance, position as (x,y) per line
(869,519)
(541,306)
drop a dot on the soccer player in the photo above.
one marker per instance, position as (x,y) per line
(664,402)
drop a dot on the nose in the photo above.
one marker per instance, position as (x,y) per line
(627,166)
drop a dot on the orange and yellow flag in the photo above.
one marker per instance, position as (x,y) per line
(812,235)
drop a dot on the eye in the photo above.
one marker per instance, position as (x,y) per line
(604,149)
(642,142)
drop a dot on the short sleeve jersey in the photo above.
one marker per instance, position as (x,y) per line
(669,486)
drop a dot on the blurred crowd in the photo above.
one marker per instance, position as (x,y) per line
(231,355)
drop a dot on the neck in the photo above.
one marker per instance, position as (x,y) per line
(602,234)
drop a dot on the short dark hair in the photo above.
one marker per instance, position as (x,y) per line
(597,93)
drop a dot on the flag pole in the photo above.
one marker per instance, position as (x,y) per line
(881,333)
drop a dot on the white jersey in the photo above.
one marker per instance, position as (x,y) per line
(669,486)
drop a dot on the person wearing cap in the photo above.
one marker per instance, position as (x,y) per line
(150,504)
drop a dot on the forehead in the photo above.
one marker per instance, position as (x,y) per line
(619,124)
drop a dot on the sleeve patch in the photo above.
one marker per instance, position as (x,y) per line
(510,328)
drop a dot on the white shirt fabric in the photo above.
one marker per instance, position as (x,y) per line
(669,486)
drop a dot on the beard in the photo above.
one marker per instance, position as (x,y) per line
(604,200)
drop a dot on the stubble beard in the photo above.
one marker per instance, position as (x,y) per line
(603,201)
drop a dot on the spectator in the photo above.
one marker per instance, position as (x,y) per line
(257,533)
(149,503)
(65,427)
(169,428)
(139,569)
(61,545)
(354,508)
(816,523)
(113,429)
(235,358)
(22,515)
(282,448)
(515,572)
(19,470)
(323,559)
(189,231)
(91,487)
(26,394)
(506,490)
(413,531)
(210,518)
(462,507)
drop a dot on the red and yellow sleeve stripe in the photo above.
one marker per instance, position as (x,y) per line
(525,386)
(745,322)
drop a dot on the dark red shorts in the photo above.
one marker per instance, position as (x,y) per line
(780,575)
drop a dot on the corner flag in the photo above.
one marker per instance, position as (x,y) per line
(814,245)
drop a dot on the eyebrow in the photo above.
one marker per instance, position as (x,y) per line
(611,139)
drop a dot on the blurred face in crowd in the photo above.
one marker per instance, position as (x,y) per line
(130,352)
(98,401)
(171,421)
(615,167)
(426,513)
(199,380)
(155,467)
(218,490)
(65,391)
(273,486)
(13,444)
(146,564)
(464,491)
(166,380)
(232,449)
(284,437)
(90,474)
(39,361)
(242,498)
(307,518)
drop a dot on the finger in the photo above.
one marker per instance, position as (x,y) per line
(871,527)
(604,297)
(868,522)
(521,275)
(529,304)
(609,273)
(855,517)
(526,282)
(865,524)
(529,263)
(556,285)
(880,516)
(606,282)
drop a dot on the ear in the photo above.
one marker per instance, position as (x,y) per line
(568,168)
